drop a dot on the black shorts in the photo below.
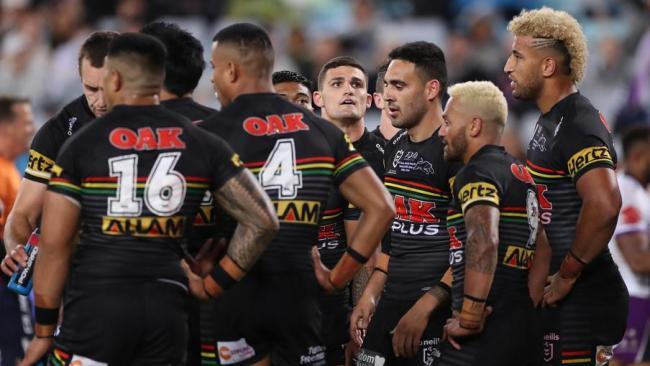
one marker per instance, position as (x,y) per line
(511,337)
(585,325)
(378,346)
(15,324)
(335,327)
(128,323)
(270,314)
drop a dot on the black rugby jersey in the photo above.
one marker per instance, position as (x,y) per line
(418,178)
(377,133)
(139,174)
(51,136)
(493,177)
(569,140)
(205,220)
(297,157)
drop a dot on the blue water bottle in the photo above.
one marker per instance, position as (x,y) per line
(21,280)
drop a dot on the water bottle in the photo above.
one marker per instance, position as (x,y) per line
(21,280)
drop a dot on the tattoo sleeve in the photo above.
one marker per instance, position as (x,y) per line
(245,200)
(359,283)
(482,222)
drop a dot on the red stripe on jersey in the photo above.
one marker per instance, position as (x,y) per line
(414,184)
(545,170)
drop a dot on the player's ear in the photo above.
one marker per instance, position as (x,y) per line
(318,99)
(475,127)
(379,100)
(232,72)
(432,89)
(368,100)
(549,67)
(115,81)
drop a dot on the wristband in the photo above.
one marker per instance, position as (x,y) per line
(576,257)
(380,270)
(356,255)
(571,267)
(471,314)
(223,278)
(46,316)
(344,270)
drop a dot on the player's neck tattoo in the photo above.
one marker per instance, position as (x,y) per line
(544,42)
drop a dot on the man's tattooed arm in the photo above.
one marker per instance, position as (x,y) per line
(481,249)
(244,199)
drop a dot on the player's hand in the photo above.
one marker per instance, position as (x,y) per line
(536,291)
(195,282)
(321,271)
(351,351)
(13,260)
(36,350)
(360,319)
(453,330)
(211,251)
(409,329)
(557,289)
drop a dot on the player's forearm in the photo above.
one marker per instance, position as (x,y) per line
(375,286)
(17,230)
(439,293)
(480,250)
(594,229)
(360,281)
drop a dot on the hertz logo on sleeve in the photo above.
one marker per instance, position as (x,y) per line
(478,191)
(588,156)
(39,165)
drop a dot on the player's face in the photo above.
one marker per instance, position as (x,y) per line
(453,131)
(344,94)
(404,95)
(91,80)
(523,69)
(295,93)
(23,126)
(220,74)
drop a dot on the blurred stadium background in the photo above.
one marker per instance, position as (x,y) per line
(39,41)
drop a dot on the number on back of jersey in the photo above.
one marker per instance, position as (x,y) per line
(279,171)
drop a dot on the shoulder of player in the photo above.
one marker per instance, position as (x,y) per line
(582,119)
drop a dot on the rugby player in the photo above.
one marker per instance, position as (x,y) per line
(273,316)
(343,98)
(407,324)
(132,182)
(572,159)
(630,245)
(294,87)
(183,69)
(24,217)
(385,130)
(494,234)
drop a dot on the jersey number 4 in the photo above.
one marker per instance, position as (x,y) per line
(164,190)
(279,171)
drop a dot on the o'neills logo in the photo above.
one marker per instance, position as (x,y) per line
(478,191)
(587,156)
(298,212)
(274,124)
(152,227)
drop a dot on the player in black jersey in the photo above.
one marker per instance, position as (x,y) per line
(183,69)
(343,98)
(494,234)
(26,212)
(572,159)
(273,315)
(405,329)
(385,130)
(133,181)
(293,87)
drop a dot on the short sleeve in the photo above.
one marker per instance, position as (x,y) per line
(347,159)
(473,187)
(586,145)
(225,162)
(42,154)
(66,179)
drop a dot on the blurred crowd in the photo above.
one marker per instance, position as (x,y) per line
(39,41)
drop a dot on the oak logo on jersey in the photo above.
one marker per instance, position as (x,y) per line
(146,226)
(478,192)
(39,164)
(455,247)
(414,210)
(588,156)
(298,212)
(274,124)
(518,257)
(145,139)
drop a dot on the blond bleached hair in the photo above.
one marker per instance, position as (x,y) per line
(547,23)
(482,98)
